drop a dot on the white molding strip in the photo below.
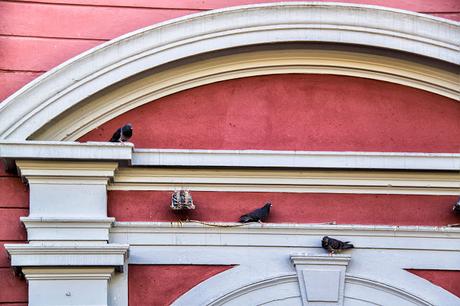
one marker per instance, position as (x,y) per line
(57,150)
(43,230)
(271,235)
(30,255)
(66,86)
(284,180)
(53,274)
(296,159)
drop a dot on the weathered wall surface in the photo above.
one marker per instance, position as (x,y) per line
(295,112)
(80,25)
(14,203)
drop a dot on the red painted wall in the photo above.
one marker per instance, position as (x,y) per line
(295,112)
(155,285)
(78,25)
(14,203)
(288,207)
(449,280)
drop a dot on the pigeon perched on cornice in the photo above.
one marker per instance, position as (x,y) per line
(258,215)
(122,134)
(456,208)
(334,245)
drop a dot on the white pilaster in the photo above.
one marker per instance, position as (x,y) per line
(68,200)
(68,260)
(68,286)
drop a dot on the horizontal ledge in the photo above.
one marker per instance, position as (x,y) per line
(59,150)
(67,220)
(296,159)
(187,236)
(65,150)
(100,249)
(32,255)
(285,228)
(287,180)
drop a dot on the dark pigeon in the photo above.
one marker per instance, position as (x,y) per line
(335,246)
(123,134)
(456,207)
(258,215)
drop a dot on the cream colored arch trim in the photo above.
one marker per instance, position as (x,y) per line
(131,95)
(65,87)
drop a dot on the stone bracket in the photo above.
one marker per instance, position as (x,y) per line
(321,278)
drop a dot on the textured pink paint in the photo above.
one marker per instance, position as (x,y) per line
(78,21)
(13,289)
(411,5)
(13,81)
(13,193)
(15,52)
(449,280)
(288,207)
(295,112)
(11,227)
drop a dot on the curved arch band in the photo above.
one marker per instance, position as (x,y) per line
(66,86)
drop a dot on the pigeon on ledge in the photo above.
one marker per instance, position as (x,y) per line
(258,215)
(456,208)
(122,134)
(334,245)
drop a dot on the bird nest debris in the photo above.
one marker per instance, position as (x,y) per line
(182,200)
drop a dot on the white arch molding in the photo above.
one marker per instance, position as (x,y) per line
(284,290)
(49,99)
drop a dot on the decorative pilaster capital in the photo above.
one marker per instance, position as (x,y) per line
(75,255)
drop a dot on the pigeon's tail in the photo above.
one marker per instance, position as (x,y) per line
(245,219)
(347,245)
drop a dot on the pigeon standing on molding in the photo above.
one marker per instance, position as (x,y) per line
(456,207)
(334,245)
(123,134)
(258,215)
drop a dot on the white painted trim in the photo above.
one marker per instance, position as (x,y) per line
(270,235)
(31,255)
(387,288)
(293,180)
(50,230)
(320,260)
(95,153)
(64,87)
(296,159)
(66,172)
(68,150)
(100,273)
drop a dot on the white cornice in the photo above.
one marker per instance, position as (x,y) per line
(67,230)
(71,83)
(285,235)
(67,150)
(35,255)
(52,274)
(66,172)
(287,180)
(297,159)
